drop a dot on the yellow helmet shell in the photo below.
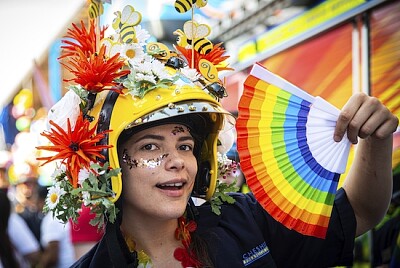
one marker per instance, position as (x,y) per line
(118,112)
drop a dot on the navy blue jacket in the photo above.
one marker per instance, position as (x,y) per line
(247,236)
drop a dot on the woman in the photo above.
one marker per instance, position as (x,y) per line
(154,146)
(166,153)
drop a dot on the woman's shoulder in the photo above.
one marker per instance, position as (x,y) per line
(244,207)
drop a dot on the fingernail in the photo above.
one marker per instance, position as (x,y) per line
(337,138)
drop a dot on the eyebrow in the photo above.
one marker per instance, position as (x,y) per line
(161,138)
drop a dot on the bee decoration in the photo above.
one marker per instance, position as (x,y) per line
(194,35)
(183,6)
(211,81)
(96,8)
(158,50)
(125,23)
(161,52)
(112,46)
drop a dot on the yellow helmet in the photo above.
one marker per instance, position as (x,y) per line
(120,112)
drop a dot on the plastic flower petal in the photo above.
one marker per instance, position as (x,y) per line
(76,148)
(53,196)
(97,72)
(83,40)
(67,107)
(215,56)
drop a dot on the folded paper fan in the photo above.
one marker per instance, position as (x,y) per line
(287,152)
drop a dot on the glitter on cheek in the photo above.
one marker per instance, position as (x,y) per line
(142,163)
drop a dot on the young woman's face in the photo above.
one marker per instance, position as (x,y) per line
(158,171)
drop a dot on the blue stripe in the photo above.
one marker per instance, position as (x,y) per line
(299,153)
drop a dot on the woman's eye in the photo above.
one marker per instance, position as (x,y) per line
(186,147)
(149,147)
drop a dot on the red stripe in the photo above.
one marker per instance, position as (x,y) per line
(251,175)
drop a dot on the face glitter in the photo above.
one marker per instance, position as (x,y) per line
(142,163)
(177,130)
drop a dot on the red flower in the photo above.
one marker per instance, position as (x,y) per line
(75,148)
(96,72)
(186,259)
(84,41)
(183,231)
(215,56)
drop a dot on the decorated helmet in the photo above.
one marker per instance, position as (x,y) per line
(124,83)
(183,99)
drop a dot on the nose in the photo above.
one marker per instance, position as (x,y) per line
(174,161)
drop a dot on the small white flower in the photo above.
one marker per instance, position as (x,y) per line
(53,196)
(67,107)
(132,52)
(86,198)
(83,175)
(190,73)
(145,77)
(59,170)
(145,68)
(158,68)
(141,35)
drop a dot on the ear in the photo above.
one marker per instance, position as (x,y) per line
(202,182)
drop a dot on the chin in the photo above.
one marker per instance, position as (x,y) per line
(176,211)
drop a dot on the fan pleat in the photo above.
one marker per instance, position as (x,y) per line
(287,152)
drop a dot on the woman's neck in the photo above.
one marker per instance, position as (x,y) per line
(153,236)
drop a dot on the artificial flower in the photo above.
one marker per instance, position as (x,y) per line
(183,231)
(86,197)
(96,72)
(185,255)
(76,148)
(53,196)
(67,107)
(215,56)
(191,73)
(132,52)
(186,258)
(144,260)
(226,166)
(226,139)
(58,171)
(147,76)
(83,40)
(83,175)
(142,35)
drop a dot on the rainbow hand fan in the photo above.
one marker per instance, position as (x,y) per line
(287,152)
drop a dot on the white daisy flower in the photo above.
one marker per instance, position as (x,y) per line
(190,73)
(158,69)
(53,196)
(145,68)
(145,77)
(147,58)
(132,52)
(59,170)
(141,35)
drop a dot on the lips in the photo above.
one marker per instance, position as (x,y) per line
(171,186)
